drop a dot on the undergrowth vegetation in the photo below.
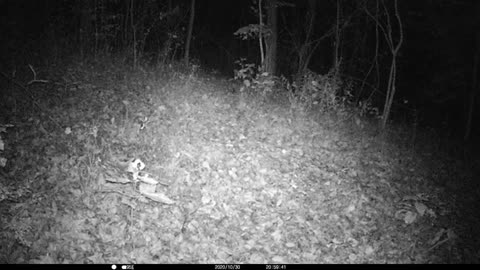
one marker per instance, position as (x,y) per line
(267,170)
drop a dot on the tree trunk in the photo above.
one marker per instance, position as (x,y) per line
(189,33)
(336,52)
(394,47)
(271,39)
(307,47)
(134,37)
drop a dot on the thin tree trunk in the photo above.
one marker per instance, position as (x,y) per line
(189,33)
(394,48)
(307,48)
(474,89)
(132,24)
(260,34)
(337,38)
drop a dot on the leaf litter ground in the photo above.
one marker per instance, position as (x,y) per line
(251,180)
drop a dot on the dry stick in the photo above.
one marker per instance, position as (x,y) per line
(30,94)
(35,77)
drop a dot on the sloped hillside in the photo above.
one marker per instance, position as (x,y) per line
(103,164)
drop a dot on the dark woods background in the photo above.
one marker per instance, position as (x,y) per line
(436,65)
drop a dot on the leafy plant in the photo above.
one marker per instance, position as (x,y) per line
(246,71)
(254,79)
(313,89)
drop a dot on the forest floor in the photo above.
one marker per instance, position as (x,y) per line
(217,177)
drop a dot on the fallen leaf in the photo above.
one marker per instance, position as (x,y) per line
(410,217)
(158,197)
(279,259)
(421,208)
